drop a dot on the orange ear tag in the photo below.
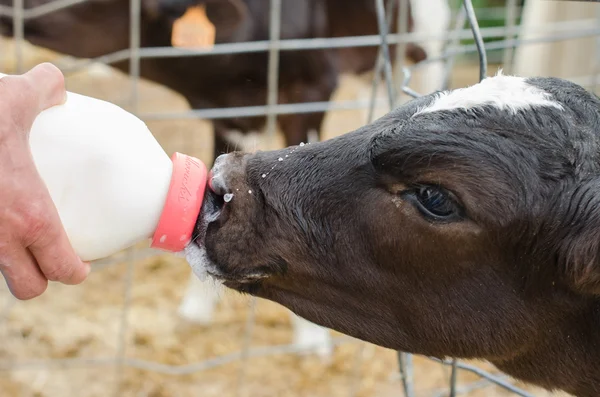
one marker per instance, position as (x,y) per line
(193,30)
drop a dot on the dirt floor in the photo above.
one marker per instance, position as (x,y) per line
(96,339)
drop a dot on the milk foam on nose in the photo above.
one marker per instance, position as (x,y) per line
(111,182)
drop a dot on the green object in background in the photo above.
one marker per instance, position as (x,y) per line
(492,22)
(490,13)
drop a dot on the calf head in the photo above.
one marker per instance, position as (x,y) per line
(464,223)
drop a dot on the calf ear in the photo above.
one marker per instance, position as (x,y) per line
(579,239)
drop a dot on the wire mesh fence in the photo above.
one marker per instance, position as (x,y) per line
(463,42)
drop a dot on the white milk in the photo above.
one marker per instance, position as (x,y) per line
(109,178)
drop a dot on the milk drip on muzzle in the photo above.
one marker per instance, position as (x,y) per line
(112,182)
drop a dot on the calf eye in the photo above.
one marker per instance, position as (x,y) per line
(434,202)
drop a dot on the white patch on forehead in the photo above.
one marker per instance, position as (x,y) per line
(510,93)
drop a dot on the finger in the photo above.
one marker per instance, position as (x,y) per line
(22,274)
(52,249)
(57,259)
(49,83)
(25,96)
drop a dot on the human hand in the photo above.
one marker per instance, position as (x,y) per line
(34,247)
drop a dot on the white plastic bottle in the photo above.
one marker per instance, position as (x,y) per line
(111,181)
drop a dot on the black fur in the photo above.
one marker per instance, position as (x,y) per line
(514,278)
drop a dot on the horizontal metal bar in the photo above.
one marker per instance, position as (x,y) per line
(501,44)
(256,111)
(64,363)
(489,13)
(186,369)
(312,107)
(315,43)
(53,6)
(467,388)
(41,10)
(496,379)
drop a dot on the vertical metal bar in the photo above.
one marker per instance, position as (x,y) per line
(355,372)
(122,337)
(478,39)
(404,359)
(134,72)
(596,72)
(385,51)
(402,28)
(453,376)
(374,86)
(18,33)
(405,364)
(135,10)
(377,72)
(249,331)
(273,72)
(2,55)
(510,21)
(272,99)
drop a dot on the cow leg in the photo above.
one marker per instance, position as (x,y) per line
(311,338)
(199,302)
(317,85)
(302,128)
(430,17)
(305,127)
(221,144)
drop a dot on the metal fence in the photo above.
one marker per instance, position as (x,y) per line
(396,84)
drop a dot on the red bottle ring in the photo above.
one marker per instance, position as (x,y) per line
(183,203)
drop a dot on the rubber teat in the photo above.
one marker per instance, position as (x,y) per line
(183,203)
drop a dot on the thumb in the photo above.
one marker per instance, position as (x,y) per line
(49,84)
(25,96)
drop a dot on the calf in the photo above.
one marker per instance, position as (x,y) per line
(462,224)
(96,28)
